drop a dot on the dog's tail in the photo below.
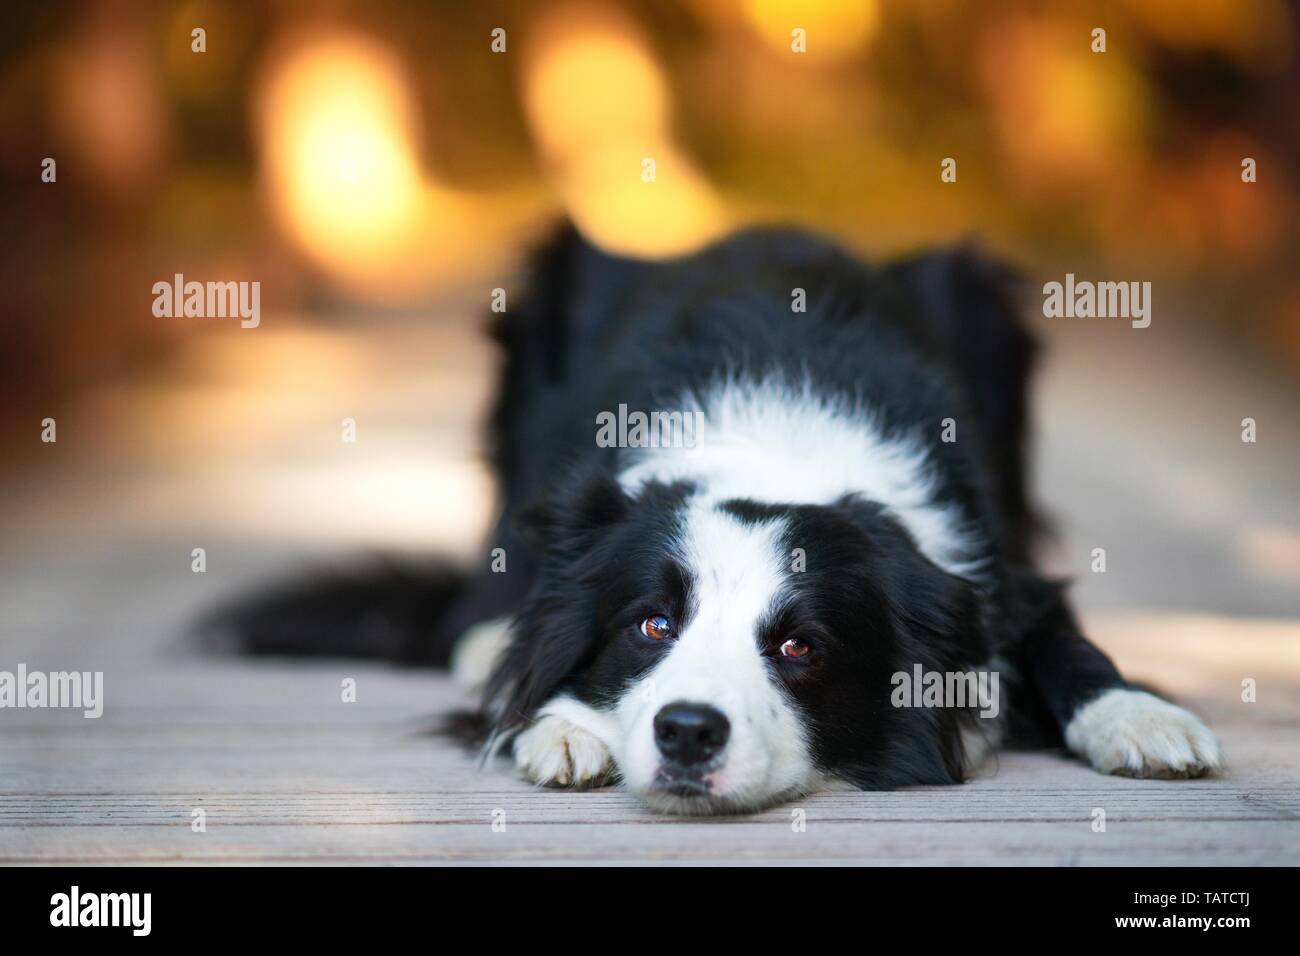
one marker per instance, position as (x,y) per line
(396,610)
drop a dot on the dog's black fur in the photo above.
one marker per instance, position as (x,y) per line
(919,341)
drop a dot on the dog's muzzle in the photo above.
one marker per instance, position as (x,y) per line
(690,737)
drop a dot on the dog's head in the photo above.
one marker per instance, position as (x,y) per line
(740,652)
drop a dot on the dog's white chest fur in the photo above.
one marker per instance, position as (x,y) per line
(774,443)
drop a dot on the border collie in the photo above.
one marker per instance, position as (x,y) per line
(725,622)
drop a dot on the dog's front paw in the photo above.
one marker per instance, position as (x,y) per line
(1137,734)
(557,753)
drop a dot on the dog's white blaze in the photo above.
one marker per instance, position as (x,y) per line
(771,442)
(738,573)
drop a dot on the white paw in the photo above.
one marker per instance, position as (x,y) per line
(477,650)
(1137,734)
(557,753)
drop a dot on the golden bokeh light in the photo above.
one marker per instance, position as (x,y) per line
(1063,113)
(834,29)
(340,142)
(606,197)
(339,136)
(592,84)
(598,106)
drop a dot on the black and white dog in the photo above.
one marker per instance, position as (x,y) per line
(746,496)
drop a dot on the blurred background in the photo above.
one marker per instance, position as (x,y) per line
(381,167)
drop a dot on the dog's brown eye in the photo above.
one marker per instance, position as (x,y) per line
(656,627)
(794,647)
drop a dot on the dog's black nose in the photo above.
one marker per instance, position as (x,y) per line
(690,734)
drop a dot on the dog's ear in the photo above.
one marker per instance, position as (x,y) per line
(580,506)
(571,291)
(555,634)
(937,622)
(936,611)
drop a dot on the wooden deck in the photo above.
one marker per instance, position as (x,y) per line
(285,771)
(95,575)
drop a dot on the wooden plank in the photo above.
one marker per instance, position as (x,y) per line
(524,841)
(288,773)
